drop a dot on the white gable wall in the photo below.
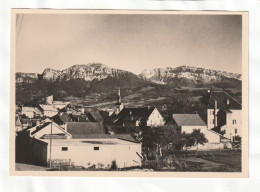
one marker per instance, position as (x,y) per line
(234,124)
(47,131)
(155,119)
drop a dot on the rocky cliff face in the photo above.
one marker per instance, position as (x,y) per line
(192,74)
(87,72)
(26,77)
(183,75)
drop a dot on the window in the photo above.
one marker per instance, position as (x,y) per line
(234,121)
(235,131)
(64,148)
(96,148)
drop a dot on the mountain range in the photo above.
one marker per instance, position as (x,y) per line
(183,75)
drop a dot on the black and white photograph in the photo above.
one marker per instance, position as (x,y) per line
(129,93)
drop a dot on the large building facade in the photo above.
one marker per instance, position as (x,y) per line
(224,115)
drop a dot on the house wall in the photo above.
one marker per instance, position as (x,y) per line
(155,119)
(211,136)
(210,118)
(39,152)
(234,124)
(30,150)
(50,113)
(85,155)
(29,114)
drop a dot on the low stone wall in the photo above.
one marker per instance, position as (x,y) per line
(208,146)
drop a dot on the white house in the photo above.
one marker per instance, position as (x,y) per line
(147,116)
(224,113)
(48,110)
(189,122)
(31,112)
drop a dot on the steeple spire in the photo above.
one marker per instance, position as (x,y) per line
(119,96)
(119,105)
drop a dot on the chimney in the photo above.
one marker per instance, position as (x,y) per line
(148,107)
(227,101)
(215,113)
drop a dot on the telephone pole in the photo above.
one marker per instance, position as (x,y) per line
(50,143)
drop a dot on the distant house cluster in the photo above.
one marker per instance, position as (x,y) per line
(58,130)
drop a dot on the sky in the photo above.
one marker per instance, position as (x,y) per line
(128,42)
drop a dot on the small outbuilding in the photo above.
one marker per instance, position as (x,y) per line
(189,122)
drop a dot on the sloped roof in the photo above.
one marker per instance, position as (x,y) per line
(221,97)
(95,114)
(18,121)
(44,125)
(31,109)
(84,129)
(28,109)
(188,120)
(125,137)
(48,107)
(106,117)
(135,113)
(40,127)
(61,102)
(62,118)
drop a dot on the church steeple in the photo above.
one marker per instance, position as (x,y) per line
(119,96)
(119,104)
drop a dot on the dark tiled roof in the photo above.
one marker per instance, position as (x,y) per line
(96,116)
(25,121)
(84,129)
(128,114)
(106,117)
(41,127)
(62,118)
(222,97)
(188,120)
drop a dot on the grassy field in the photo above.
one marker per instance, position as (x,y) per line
(213,161)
